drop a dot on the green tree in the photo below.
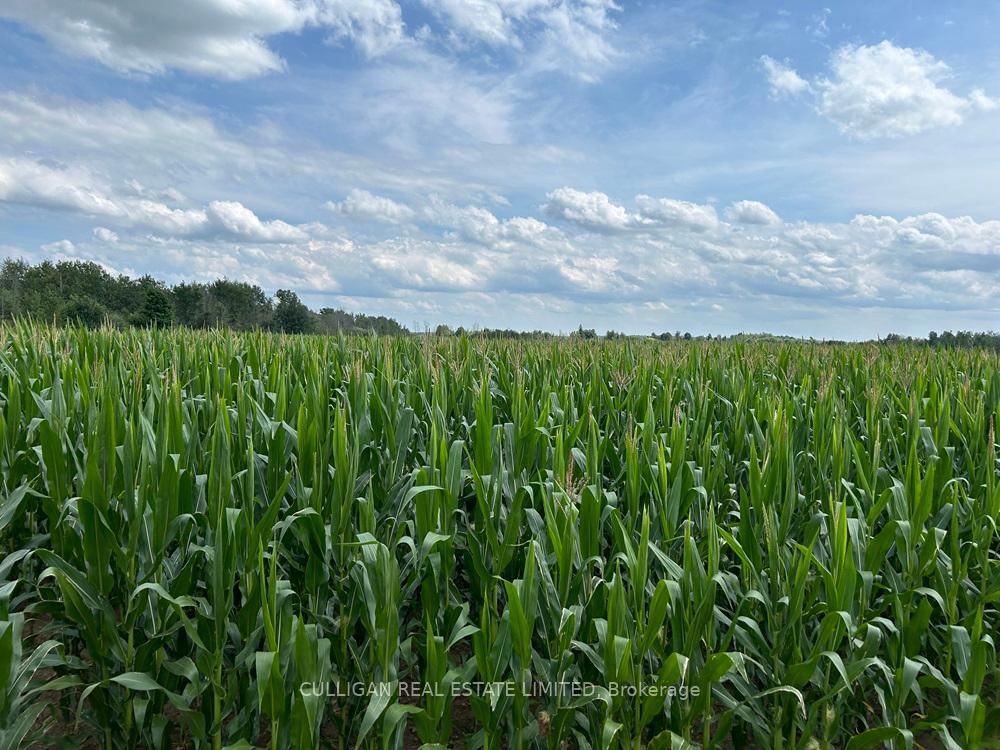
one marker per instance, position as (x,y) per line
(244,306)
(189,305)
(85,292)
(158,309)
(83,311)
(12,275)
(290,315)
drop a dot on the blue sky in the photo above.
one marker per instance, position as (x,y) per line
(807,168)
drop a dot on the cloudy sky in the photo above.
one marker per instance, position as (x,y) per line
(651,165)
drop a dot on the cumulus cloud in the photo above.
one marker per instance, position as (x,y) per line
(33,183)
(471,222)
(927,260)
(752,212)
(239,220)
(483,226)
(881,91)
(931,230)
(528,229)
(982,102)
(468,222)
(885,90)
(160,216)
(783,79)
(216,38)
(364,205)
(61,249)
(666,251)
(594,210)
(672,212)
(29,182)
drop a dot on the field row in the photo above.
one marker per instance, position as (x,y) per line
(221,540)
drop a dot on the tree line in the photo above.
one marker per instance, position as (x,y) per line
(949,340)
(84,293)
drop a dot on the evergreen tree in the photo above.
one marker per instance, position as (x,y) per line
(158,310)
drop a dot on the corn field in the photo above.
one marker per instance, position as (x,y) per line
(219,540)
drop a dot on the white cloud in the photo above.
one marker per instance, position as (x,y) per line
(982,102)
(594,210)
(242,222)
(375,26)
(565,35)
(870,262)
(934,231)
(888,91)
(820,27)
(217,38)
(471,222)
(752,212)
(61,249)
(414,265)
(27,181)
(481,225)
(677,213)
(148,144)
(73,189)
(528,229)
(162,217)
(228,39)
(881,91)
(364,205)
(664,251)
(179,155)
(577,32)
(489,21)
(783,79)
